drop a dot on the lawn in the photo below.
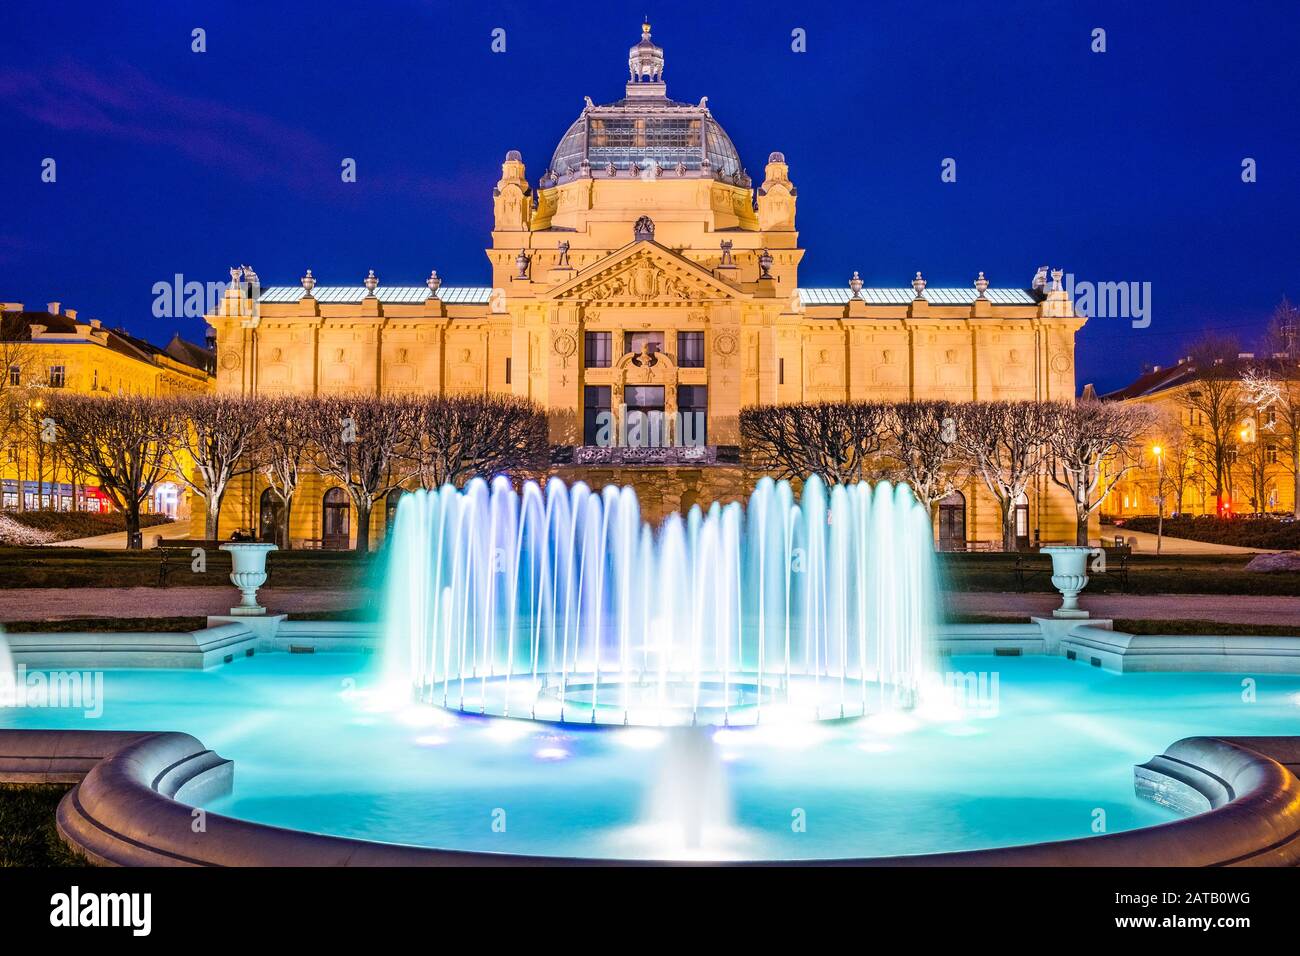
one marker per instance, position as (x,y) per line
(1148,574)
(1131,626)
(69,525)
(28,836)
(1271,534)
(165,625)
(86,568)
(337,570)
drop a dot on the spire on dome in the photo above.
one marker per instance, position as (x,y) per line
(645,61)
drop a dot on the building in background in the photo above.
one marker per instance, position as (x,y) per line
(56,349)
(1195,400)
(644,290)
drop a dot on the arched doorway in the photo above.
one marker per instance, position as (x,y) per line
(166,497)
(1022,522)
(335,520)
(269,510)
(952,522)
(391,501)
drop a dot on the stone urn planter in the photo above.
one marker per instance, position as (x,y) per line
(248,573)
(1069,576)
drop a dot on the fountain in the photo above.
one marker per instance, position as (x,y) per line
(563,605)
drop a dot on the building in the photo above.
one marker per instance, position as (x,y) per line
(1257,475)
(643,279)
(57,349)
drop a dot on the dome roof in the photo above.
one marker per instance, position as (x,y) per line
(645,133)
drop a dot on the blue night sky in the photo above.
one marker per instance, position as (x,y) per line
(1122,166)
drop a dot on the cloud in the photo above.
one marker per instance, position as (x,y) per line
(124,103)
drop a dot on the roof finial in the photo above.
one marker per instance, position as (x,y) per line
(645,61)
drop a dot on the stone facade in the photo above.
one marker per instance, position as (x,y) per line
(644,270)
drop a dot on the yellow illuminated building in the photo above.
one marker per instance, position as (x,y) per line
(643,277)
(1257,474)
(55,350)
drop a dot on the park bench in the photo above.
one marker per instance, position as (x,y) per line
(177,554)
(1116,566)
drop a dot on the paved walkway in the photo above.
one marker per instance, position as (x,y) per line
(114,541)
(1228,608)
(38,604)
(1146,544)
(34,604)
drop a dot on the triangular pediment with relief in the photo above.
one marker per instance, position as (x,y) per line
(643,272)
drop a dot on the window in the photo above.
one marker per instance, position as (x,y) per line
(780,371)
(507,371)
(690,349)
(636,341)
(597,421)
(693,413)
(56,379)
(15,375)
(644,410)
(94,380)
(598,351)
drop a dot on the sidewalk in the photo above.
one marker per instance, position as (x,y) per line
(1227,608)
(1146,544)
(115,541)
(34,604)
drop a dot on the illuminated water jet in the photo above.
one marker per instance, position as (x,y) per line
(563,605)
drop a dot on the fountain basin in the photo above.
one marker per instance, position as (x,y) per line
(316,747)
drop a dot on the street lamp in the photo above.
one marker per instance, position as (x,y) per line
(1160,495)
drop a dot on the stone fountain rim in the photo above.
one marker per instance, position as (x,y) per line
(130,808)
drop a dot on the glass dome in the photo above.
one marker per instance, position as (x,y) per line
(646,133)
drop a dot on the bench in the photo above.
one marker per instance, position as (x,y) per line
(1115,562)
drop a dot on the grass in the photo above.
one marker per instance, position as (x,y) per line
(1131,626)
(1242,532)
(1148,574)
(341,570)
(28,836)
(53,567)
(67,525)
(954,618)
(165,625)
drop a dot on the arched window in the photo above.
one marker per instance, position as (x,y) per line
(1022,522)
(952,522)
(335,519)
(269,510)
(391,502)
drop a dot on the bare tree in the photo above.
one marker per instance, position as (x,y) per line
(216,435)
(1179,459)
(284,447)
(1093,446)
(18,366)
(924,446)
(838,441)
(361,442)
(460,437)
(1214,399)
(125,442)
(1271,387)
(1007,443)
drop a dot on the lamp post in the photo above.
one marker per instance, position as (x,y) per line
(1160,495)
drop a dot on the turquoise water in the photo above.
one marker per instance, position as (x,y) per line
(313,750)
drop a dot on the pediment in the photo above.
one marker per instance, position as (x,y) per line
(644,272)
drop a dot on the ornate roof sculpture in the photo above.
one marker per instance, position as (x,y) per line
(645,133)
